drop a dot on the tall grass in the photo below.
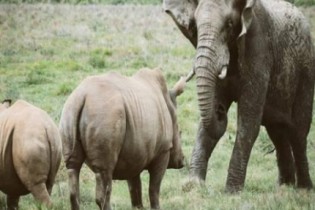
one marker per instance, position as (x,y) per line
(46,50)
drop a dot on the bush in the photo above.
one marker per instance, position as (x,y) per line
(39,73)
(98,58)
(65,89)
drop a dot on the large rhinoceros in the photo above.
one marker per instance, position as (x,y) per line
(121,126)
(30,152)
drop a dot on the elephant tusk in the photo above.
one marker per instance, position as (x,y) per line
(190,75)
(223,72)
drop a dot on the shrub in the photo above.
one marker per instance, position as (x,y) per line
(64,89)
(39,73)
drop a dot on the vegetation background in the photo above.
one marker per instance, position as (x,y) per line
(47,48)
(116,2)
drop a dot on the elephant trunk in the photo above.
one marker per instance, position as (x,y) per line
(206,78)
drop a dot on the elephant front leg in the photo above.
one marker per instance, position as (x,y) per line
(238,163)
(200,156)
(207,139)
(250,109)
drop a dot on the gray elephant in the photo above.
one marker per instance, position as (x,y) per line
(259,54)
(121,126)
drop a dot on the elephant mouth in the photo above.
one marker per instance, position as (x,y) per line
(223,72)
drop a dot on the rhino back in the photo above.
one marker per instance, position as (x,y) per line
(129,117)
(149,125)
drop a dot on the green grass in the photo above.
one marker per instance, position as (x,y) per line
(46,50)
(303,2)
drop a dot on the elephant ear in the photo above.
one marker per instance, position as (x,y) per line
(247,16)
(246,21)
(182,12)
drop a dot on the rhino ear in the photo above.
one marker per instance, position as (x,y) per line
(7,103)
(177,90)
(179,87)
(182,12)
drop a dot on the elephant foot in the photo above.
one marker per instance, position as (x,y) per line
(138,206)
(233,189)
(192,183)
(287,180)
(305,185)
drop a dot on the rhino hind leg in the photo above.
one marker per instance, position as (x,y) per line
(74,188)
(41,194)
(74,164)
(13,202)
(103,189)
(157,170)
(134,185)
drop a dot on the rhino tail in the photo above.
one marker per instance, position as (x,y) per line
(69,126)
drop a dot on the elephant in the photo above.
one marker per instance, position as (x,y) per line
(121,126)
(259,54)
(30,152)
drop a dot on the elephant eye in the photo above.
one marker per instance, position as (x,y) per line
(228,29)
(229,24)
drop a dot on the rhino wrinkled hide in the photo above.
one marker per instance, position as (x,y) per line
(120,126)
(30,152)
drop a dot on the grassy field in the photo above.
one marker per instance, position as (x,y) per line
(46,50)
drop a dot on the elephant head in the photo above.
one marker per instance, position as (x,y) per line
(214,27)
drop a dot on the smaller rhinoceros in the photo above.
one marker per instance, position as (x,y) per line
(120,126)
(30,152)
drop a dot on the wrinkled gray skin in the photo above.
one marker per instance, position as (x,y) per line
(267,49)
(30,152)
(120,126)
